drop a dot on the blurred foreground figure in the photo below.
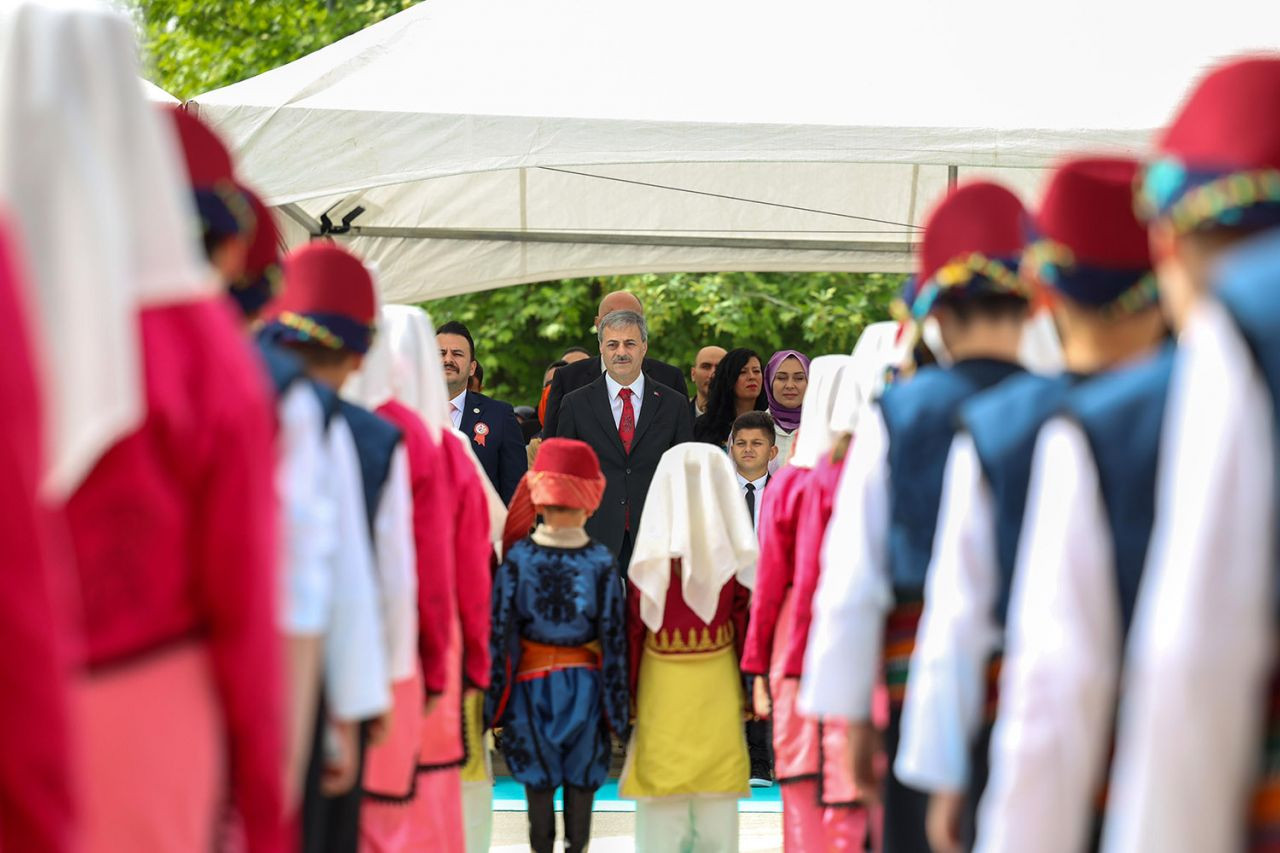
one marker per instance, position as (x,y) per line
(171,511)
(689,588)
(879,542)
(1196,758)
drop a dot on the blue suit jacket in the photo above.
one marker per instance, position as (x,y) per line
(496,440)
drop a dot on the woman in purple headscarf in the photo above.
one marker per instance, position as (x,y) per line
(785,380)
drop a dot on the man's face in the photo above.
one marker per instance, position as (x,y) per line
(704,368)
(752,452)
(455,355)
(623,353)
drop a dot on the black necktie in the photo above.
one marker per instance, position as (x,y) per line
(751,503)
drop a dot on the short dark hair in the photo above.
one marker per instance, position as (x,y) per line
(572,350)
(453,327)
(479,374)
(993,306)
(314,355)
(753,420)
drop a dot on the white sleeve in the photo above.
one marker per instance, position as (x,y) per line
(356,682)
(842,660)
(947,687)
(1061,663)
(398,568)
(308,513)
(1190,735)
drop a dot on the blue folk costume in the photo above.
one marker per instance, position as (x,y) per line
(559,687)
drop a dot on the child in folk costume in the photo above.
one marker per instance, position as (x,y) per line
(168,462)
(1089,256)
(452,731)
(797,749)
(391,772)
(688,598)
(325,316)
(1196,764)
(880,537)
(559,685)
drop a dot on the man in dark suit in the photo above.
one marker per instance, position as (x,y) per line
(581,373)
(491,425)
(629,419)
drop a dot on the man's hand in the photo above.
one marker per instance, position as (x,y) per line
(342,750)
(864,746)
(760,697)
(946,811)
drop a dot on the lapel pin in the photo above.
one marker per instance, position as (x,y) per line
(482,430)
(475,411)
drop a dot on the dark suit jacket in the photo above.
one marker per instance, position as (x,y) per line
(502,454)
(571,377)
(663,423)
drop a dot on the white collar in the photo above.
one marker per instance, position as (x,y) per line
(759,484)
(637,387)
(459,401)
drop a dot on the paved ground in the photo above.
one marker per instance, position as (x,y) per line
(613,832)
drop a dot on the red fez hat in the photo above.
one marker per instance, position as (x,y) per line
(261,278)
(565,473)
(972,242)
(327,299)
(1088,244)
(224,210)
(1218,163)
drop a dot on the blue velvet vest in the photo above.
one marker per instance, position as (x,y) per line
(920,416)
(282,367)
(1121,414)
(1004,424)
(376,440)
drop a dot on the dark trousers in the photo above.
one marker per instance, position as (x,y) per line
(577,818)
(624,552)
(905,809)
(330,824)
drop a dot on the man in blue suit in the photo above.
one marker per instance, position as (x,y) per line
(491,424)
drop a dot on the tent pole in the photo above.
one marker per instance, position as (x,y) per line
(953,177)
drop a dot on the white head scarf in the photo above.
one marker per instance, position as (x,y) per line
(694,511)
(815,437)
(93,178)
(417,381)
(873,355)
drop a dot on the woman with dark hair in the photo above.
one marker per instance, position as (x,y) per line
(736,388)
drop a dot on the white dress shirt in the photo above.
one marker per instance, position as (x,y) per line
(308,513)
(947,687)
(615,401)
(456,406)
(759,486)
(1202,637)
(397,565)
(357,685)
(842,660)
(1062,659)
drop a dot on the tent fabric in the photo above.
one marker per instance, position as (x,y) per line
(491,142)
(155,94)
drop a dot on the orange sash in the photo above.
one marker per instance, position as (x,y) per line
(538,660)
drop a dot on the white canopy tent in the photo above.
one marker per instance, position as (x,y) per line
(470,144)
(155,94)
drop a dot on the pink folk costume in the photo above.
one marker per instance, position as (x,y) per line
(172,526)
(844,817)
(33,641)
(795,739)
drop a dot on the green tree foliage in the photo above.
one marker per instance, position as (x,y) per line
(193,46)
(520,330)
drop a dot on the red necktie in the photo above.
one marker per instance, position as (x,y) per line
(627,423)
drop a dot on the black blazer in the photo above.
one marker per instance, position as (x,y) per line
(571,377)
(663,423)
(502,453)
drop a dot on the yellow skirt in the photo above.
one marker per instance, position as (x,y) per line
(477,768)
(688,738)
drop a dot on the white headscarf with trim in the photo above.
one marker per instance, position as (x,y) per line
(92,177)
(694,511)
(815,436)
